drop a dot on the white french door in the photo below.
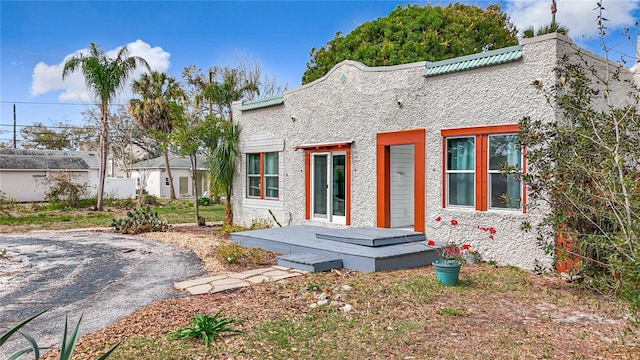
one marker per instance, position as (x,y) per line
(328,186)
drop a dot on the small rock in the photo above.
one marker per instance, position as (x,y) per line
(335,303)
(313,306)
(347,308)
(346,287)
(323,296)
(323,302)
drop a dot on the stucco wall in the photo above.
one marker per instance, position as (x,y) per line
(366,103)
(28,185)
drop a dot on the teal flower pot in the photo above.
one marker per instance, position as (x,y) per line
(447,271)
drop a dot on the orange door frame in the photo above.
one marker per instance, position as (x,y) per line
(414,137)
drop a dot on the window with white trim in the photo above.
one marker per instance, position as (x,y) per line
(460,171)
(505,189)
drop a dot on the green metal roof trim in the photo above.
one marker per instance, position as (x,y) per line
(262,103)
(487,58)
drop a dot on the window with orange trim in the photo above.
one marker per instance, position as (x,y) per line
(262,176)
(482,167)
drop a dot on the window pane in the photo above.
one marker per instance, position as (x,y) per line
(254,186)
(505,191)
(253,164)
(338,188)
(320,186)
(461,154)
(503,149)
(271,183)
(460,188)
(271,163)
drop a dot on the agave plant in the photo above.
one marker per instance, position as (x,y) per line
(66,349)
(206,327)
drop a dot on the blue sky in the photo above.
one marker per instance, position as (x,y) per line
(36,36)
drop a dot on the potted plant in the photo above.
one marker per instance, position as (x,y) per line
(453,254)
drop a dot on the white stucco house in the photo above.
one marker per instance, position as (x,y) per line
(152,176)
(399,146)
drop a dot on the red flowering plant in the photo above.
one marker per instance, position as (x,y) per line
(454,250)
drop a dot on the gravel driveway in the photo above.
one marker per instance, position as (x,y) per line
(102,276)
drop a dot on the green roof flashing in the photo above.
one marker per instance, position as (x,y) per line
(262,103)
(487,58)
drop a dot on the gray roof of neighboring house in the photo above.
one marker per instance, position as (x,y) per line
(30,159)
(175,161)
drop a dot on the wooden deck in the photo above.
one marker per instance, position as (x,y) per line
(363,249)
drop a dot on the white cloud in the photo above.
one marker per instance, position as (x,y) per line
(48,78)
(579,16)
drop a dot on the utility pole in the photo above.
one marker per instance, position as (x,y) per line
(14,126)
(553,13)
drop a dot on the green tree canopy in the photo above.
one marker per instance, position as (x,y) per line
(416,33)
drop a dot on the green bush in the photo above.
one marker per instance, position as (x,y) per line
(204,201)
(63,191)
(139,220)
(150,200)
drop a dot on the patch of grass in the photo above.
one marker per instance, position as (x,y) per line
(451,312)
(43,216)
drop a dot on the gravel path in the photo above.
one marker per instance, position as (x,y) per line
(102,276)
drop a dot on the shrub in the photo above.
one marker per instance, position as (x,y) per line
(63,191)
(139,220)
(150,200)
(229,252)
(204,201)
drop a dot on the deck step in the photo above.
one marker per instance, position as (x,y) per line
(370,236)
(309,262)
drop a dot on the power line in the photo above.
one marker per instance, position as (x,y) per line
(51,127)
(52,103)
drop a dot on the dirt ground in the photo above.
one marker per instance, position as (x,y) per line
(568,327)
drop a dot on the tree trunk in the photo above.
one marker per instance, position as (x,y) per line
(228,211)
(194,185)
(167,167)
(104,133)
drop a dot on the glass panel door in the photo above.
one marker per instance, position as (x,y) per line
(320,185)
(328,198)
(338,185)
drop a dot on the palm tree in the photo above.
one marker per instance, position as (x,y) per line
(228,87)
(158,91)
(222,162)
(105,77)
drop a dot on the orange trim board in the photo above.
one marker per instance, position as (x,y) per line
(481,130)
(383,181)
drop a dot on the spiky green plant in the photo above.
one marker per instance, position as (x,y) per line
(206,327)
(68,344)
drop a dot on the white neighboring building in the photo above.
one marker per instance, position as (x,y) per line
(151,175)
(22,171)
(399,146)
